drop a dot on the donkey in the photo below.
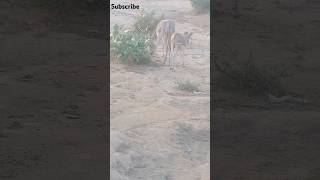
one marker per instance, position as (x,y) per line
(179,43)
(164,30)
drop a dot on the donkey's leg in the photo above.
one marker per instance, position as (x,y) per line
(173,59)
(183,55)
(172,53)
(166,54)
(163,46)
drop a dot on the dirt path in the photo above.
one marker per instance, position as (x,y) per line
(166,128)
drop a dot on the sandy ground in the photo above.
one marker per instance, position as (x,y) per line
(157,131)
(53,96)
(254,139)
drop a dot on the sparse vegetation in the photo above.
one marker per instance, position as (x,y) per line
(201,5)
(187,86)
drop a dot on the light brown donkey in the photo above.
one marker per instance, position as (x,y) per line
(179,43)
(164,30)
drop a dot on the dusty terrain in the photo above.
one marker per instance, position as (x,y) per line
(254,138)
(53,95)
(157,131)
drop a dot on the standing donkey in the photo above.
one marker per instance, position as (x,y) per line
(164,31)
(179,43)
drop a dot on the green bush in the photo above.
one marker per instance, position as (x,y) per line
(201,5)
(147,23)
(135,45)
(187,86)
(129,46)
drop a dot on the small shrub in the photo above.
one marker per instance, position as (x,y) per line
(130,46)
(187,86)
(146,23)
(201,5)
